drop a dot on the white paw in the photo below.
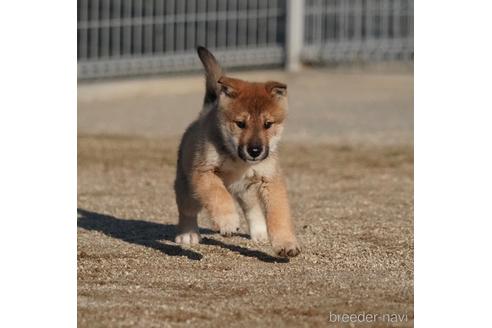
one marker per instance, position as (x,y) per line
(188,238)
(257,224)
(228,225)
(259,235)
(229,229)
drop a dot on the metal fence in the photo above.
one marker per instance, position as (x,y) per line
(127,37)
(347,30)
(138,37)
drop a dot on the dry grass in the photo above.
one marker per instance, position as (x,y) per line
(353,206)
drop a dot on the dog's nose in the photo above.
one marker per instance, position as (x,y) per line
(255,150)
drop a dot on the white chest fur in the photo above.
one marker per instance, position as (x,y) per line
(238,176)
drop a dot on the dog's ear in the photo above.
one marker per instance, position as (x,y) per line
(229,86)
(213,72)
(276,89)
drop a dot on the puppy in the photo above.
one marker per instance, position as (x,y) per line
(230,152)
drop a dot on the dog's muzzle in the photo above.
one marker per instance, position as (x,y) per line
(253,152)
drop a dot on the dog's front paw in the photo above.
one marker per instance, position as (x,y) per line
(227,225)
(229,229)
(188,238)
(258,230)
(286,249)
(259,235)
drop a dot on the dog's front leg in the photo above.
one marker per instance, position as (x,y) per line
(218,202)
(279,222)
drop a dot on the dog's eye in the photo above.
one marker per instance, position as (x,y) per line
(268,125)
(240,124)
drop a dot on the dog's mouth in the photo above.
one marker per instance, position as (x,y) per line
(253,161)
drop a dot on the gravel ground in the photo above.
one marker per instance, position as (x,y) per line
(348,159)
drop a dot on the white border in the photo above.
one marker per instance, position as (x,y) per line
(38,164)
(453,163)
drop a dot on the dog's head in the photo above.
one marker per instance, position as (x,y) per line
(251,115)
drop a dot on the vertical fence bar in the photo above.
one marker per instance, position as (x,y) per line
(242,25)
(127,28)
(385,44)
(180,25)
(201,23)
(410,29)
(169,28)
(368,28)
(190,24)
(343,11)
(396,19)
(105,18)
(149,26)
(323,8)
(308,23)
(262,23)
(94,23)
(361,32)
(294,34)
(137,26)
(342,19)
(115,28)
(84,20)
(221,24)
(211,23)
(272,21)
(231,23)
(252,24)
(159,27)
(358,23)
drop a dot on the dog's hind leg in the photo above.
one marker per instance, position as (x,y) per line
(188,209)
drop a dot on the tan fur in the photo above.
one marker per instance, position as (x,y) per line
(230,152)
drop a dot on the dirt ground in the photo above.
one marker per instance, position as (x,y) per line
(351,193)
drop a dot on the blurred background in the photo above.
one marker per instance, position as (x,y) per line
(140,37)
(348,63)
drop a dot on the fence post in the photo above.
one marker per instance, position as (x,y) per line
(294,34)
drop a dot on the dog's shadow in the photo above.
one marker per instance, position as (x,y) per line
(150,234)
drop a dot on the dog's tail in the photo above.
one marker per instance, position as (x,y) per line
(213,73)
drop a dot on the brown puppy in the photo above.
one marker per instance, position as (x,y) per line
(230,152)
